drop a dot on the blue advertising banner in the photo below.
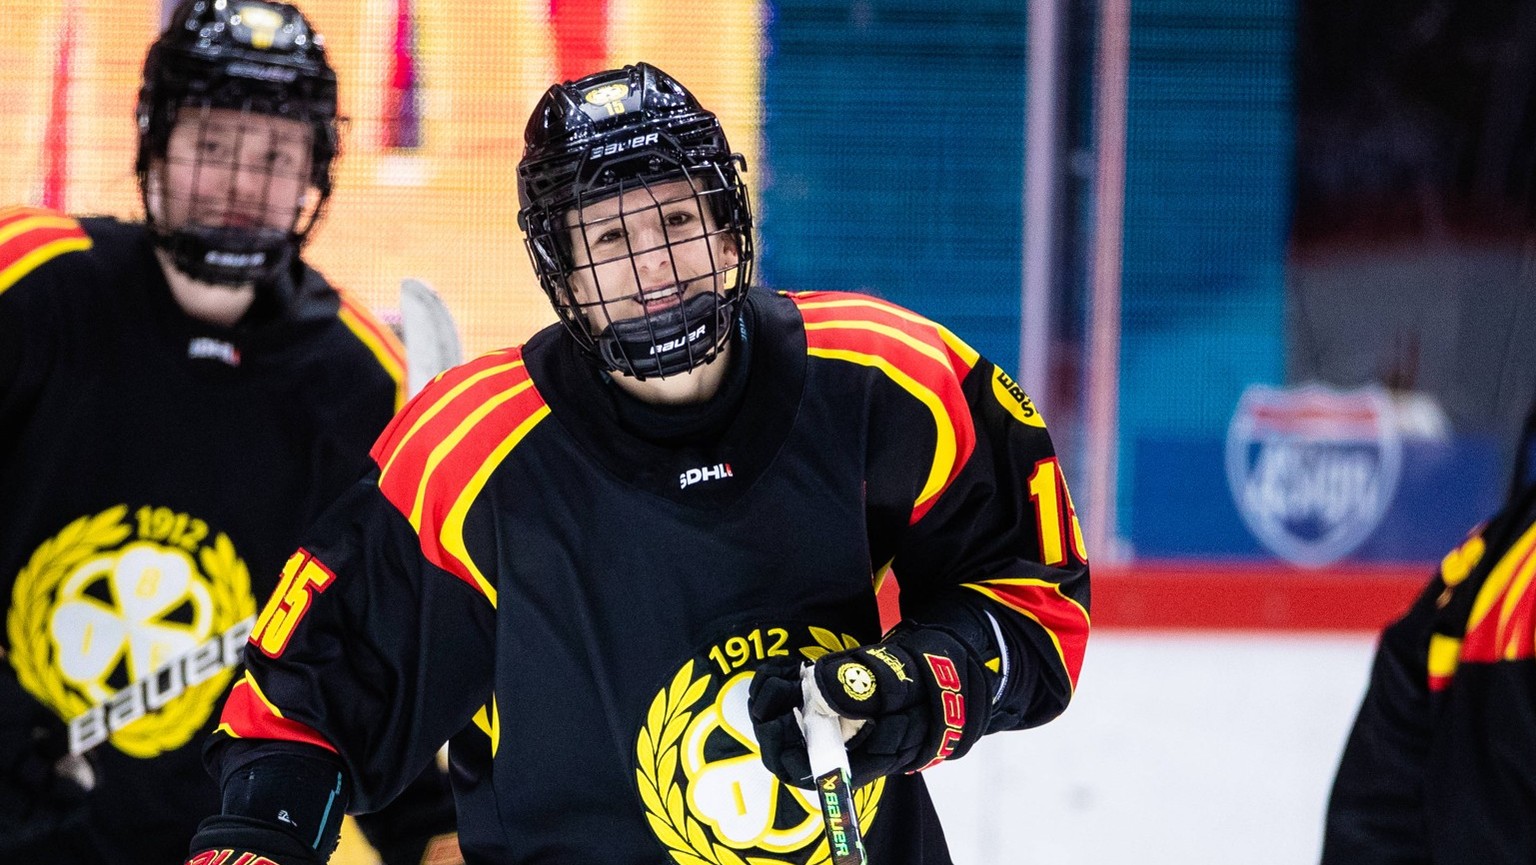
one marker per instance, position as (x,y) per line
(1314,477)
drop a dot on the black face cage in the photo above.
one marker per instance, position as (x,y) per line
(242,254)
(684,334)
(200,243)
(163,103)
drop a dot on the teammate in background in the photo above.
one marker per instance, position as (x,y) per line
(177,399)
(1439,765)
(596,562)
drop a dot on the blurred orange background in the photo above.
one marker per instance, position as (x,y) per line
(444,211)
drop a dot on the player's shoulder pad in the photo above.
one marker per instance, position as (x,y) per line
(926,365)
(847,324)
(437,454)
(852,326)
(461,416)
(377,337)
(31,237)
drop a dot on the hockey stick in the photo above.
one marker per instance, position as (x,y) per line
(427,329)
(823,730)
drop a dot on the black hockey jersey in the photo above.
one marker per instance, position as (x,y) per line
(1441,764)
(154,475)
(575,589)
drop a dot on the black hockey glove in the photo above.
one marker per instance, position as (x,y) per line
(43,806)
(923,696)
(227,839)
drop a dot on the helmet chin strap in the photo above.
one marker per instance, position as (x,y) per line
(228,256)
(670,342)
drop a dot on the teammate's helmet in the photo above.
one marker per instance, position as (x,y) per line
(623,133)
(250,56)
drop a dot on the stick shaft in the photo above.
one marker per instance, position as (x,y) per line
(829,765)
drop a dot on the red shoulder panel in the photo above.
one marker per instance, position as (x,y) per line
(30,236)
(917,354)
(1502,625)
(437,454)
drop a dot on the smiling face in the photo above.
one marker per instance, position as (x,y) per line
(645,252)
(224,168)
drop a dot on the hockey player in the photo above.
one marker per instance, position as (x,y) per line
(595,563)
(177,399)
(1439,765)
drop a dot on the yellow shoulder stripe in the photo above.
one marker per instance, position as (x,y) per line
(31,237)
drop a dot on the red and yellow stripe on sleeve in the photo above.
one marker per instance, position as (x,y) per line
(436,456)
(1502,625)
(378,338)
(31,236)
(1064,620)
(923,358)
(248,714)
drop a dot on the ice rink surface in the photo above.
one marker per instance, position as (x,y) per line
(1178,748)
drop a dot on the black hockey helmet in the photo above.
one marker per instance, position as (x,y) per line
(614,133)
(247,55)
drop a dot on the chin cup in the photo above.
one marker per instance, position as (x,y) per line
(669,342)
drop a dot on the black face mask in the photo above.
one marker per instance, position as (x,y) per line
(200,245)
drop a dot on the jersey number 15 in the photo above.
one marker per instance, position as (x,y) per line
(303,577)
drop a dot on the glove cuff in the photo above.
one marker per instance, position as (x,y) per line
(299,790)
(223,838)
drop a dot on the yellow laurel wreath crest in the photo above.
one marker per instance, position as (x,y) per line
(828,642)
(33,599)
(658,751)
(229,583)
